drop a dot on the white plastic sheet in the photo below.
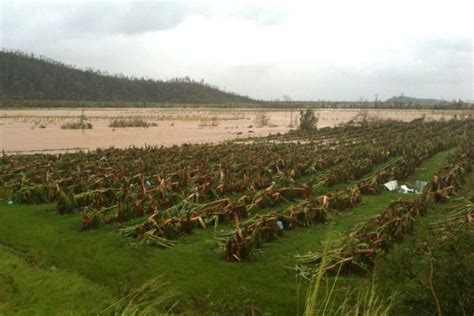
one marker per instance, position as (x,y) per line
(420,186)
(405,189)
(391,185)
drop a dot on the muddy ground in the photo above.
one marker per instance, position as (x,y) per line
(39,130)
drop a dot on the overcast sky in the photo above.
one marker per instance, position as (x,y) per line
(331,50)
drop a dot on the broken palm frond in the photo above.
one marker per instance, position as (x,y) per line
(66,203)
(182,219)
(461,217)
(34,194)
(150,239)
(238,245)
(307,214)
(343,200)
(272,196)
(95,219)
(448,179)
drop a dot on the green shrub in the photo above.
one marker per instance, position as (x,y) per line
(439,263)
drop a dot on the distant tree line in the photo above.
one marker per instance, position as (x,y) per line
(443,105)
(24,76)
(27,80)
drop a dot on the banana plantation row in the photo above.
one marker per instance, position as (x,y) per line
(178,189)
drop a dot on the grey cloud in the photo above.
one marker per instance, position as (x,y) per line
(252,69)
(433,66)
(97,18)
(111,37)
(132,18)
(260,14)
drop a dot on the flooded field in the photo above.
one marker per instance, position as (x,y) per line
(36,130)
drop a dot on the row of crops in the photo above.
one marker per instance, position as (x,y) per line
(358,251)
(314,210)
(295,179)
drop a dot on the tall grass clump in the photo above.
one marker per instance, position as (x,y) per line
(327,295)
(154,297)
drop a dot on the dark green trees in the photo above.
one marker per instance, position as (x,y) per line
(27,77)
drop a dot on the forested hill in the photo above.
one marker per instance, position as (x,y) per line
(25,76)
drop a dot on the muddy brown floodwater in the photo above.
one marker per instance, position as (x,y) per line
(39,130)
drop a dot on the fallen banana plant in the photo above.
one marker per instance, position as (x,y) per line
(357,252)
(238,244)
(461,217)
(183,218)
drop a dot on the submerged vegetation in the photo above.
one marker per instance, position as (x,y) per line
(130,122)
(206,216)
(262,119)
(77,125)
(81,124)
